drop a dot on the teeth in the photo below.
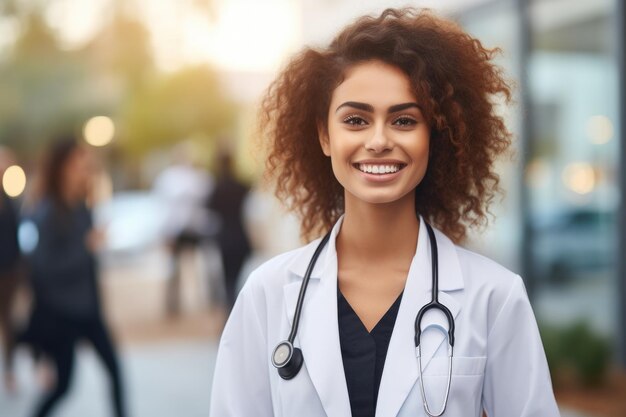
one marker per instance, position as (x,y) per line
(378,169)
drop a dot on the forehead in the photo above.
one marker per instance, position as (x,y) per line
(375,83)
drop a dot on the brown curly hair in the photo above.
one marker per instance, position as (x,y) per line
(455,81)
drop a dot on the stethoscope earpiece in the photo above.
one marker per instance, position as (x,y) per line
(287,359)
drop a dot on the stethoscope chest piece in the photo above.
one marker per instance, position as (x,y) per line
(287,359)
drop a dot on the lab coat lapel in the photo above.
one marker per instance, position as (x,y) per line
(401,369)
(318,333)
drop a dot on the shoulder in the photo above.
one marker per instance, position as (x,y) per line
(262,295)
(493,293)
(478,265)
(487,278)
(281,269)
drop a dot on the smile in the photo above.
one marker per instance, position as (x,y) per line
(379,168)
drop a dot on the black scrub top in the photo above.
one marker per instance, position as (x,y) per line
(363,354)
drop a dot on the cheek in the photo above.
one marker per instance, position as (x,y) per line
(419,152)
(342,150)
(421,145)
(425,153)
(334,143)
(340,159)
(338,163)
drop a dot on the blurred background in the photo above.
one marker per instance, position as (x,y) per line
(162,97)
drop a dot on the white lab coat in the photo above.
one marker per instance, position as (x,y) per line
(499,363)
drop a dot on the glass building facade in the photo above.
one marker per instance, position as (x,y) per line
(562,222)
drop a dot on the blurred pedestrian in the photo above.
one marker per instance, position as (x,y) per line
(227,202)
(9,273)
(63,267)
(183,188)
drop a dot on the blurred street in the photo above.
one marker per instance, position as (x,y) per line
(167,362)
(157,375)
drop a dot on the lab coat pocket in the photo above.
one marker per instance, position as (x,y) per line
(465,386)
(461,365)
(298,397)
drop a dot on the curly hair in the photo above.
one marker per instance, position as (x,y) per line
(455,82)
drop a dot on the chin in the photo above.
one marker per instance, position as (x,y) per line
(382,197)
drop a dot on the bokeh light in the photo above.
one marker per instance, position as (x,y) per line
(99,131)
(28,236)
(579,177)
(537,173)
(14,181)
(265,50)
(599,129)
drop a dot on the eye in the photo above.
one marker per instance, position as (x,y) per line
(354,120)
(405,121)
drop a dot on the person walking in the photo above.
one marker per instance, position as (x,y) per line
(227,202)
(9,273)
(183,188)
(63,275)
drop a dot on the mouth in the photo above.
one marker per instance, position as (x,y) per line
(379,169)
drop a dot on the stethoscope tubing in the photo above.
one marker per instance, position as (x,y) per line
(434,300)
(303,287)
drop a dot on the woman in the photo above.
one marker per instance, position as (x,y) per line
(227,201)
(9,273)
(63,275)
(389,129)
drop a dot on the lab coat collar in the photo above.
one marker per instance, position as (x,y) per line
(318,333)
(300,263)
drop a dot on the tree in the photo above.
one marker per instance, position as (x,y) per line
(185,104)
(36,85)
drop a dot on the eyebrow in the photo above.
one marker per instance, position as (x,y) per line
(369,108)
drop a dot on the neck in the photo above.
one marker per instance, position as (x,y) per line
(379,231)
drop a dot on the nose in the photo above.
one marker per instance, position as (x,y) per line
(378,142)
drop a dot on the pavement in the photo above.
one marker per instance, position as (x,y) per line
(170,379)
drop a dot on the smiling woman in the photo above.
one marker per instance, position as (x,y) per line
(388,130)
(447,74)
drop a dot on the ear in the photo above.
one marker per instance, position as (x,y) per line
(322,135)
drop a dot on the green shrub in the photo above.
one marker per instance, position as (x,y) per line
(577,350)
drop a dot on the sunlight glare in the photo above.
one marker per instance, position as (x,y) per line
(253,36)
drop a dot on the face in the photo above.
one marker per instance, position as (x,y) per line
(78,173)
(377,137)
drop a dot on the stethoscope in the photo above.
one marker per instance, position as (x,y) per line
(288,359)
